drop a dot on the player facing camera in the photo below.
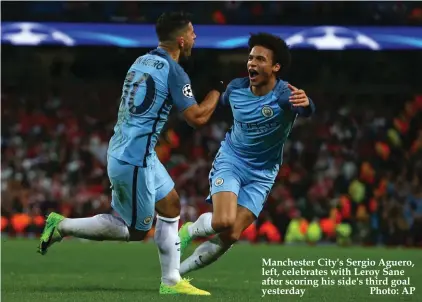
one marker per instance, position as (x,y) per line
(269,55)
(246,165)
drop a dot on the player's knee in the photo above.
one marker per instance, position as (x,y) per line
(223,222)
(137,235)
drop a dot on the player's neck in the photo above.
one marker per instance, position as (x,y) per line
(174,53)
(264,89)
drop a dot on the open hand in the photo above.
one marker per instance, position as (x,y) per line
(298,97)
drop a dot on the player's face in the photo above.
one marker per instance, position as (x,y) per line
(187,41)
(260,66)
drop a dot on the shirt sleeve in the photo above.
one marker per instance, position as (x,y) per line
(225,96)
(180,88)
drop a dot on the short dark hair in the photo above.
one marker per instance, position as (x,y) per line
(281,52)
(170,23)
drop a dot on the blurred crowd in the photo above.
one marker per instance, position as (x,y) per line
(357,163)
(220,12)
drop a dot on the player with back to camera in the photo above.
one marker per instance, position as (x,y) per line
(140,183)
(247,163)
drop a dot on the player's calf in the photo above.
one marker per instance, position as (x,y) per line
(222,222)
(230,236)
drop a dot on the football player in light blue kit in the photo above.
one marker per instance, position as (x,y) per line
(140,183)
(244,170)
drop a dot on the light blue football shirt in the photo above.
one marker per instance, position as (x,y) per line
(261,123)
(153,84)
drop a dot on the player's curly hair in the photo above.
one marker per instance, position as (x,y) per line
(281,52)
(169,24)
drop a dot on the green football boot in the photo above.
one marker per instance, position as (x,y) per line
(50,233)
(185,238)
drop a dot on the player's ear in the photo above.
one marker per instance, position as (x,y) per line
(276,68)
(181,41)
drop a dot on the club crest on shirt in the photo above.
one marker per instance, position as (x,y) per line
(147,220)
(267,111)
(218,182)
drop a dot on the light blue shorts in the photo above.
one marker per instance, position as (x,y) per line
(252,186)
(135,190)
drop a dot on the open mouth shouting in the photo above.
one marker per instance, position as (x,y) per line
(253,74)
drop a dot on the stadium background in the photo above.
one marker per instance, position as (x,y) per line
(358,162)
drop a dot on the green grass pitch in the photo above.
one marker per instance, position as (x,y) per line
(100,271)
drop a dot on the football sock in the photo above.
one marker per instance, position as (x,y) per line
(167,239)
(205,254)
(100,227)
(202,226)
